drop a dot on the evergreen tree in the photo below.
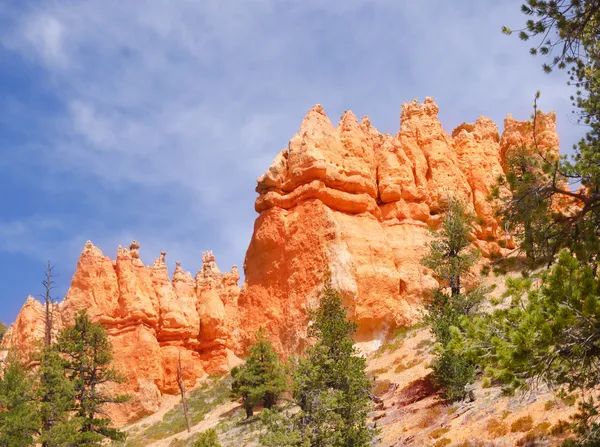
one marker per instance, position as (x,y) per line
(261,380)
(87,351)
(548,334)
(331,387)
(19,412)
(56,396)
(54,392)
(450,258)
(569,34)
(529,216)
(2,330)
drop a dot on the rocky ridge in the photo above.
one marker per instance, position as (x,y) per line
(151,320)
(344,202)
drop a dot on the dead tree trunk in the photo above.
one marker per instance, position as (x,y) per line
(182,390)
(48,284)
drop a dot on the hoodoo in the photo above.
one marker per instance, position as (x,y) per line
(343,202)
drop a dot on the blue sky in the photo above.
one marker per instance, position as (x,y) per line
(151,120)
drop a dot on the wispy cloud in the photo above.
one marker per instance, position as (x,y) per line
(162,114)
(28,236)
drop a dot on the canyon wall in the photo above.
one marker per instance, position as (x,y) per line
(345,202)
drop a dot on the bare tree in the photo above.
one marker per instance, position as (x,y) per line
(48,284)
(182,390)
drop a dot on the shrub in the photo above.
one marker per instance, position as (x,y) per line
(381,387)
(405,366)
(522,424)
(452,372)
(569,400)
(208,438)
(560,428)
(430,417)
(439,432)
(497,428)
(529,440)
(442,442)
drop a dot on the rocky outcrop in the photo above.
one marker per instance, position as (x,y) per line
(349,202)
(344,202)
(151,321)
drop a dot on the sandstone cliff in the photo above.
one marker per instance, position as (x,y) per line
(150,320)
(343,201)
(353,203)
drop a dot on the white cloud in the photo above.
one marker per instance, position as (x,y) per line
(45,34)
(179,106)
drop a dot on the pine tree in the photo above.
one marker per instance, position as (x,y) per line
(568,30)
(54,392)
(331,387)
(450,258)
(548,334)
(19,412)
(529,216)
(261,380)
(2,330)
(56,396)
(88,354)
(48,284)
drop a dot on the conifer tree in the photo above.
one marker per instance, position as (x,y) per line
(331,387)
(566,31)
(450,258)
(548,334)
(2,330)
(87,351)
(261,380)
(550,330)
(56,396)
(48,284)
(19,412)
(54,392)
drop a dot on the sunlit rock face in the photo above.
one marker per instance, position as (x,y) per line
(344,202)
(151,319)
(349,202)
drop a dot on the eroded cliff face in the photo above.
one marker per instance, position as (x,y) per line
(352,203)
(341,201)
(151,320)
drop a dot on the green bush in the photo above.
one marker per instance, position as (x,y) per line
(208,438)
(453,373)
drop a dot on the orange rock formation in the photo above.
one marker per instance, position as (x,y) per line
(150,320)
(343,201)
(353,203)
